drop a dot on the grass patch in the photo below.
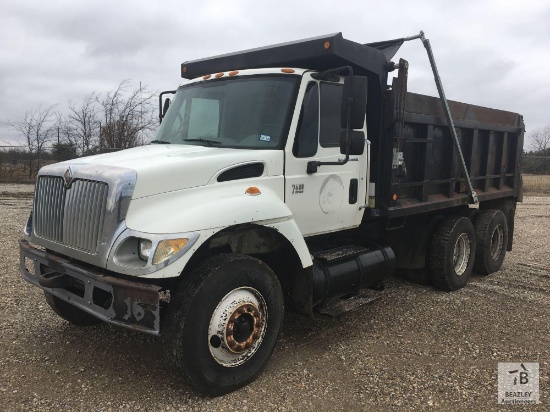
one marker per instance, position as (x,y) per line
(536,184)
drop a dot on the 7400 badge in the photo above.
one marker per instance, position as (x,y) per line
(297,188)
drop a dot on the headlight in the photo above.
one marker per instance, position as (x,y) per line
(144,249)
(138,253)
(167,248)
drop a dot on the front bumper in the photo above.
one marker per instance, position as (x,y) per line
(122,302)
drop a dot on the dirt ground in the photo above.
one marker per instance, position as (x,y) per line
(416,348)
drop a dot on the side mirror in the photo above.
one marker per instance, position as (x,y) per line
(166,106)
(356,89)
(357,142)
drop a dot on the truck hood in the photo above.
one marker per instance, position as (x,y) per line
(166,168)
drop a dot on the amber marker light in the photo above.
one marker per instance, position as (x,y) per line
(394,197)
(168,248)
(253,191)
(288,70)
(219,75)
(184,69)
(234,73)
(207,76)
(326,45)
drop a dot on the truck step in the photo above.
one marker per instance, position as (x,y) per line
(333,255)
(339,306)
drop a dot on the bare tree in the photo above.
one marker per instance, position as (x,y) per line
(36,128)
(83,124)
(66,132)
(540,139)
(80,128)
(127,116)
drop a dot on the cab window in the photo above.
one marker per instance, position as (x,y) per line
(307,137)
(331,102)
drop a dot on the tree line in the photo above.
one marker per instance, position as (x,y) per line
(119,119)
(537,160)
(125,117)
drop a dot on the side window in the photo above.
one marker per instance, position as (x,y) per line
(306,141)
(204,119)
(331,102)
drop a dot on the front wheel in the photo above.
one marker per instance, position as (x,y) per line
(223,322)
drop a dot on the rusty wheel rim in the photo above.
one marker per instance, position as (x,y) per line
(243,328)
(237,326)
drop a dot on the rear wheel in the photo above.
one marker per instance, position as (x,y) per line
(70,313)
(491,231)
(451,253)
(223,322)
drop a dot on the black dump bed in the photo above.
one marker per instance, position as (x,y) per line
(491,142)
(431,179)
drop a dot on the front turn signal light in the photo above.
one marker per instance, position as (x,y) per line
(252,191)
(168,248)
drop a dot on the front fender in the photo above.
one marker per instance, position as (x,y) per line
(205,207)
(209,209)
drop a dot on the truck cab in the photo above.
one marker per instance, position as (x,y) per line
(288,116)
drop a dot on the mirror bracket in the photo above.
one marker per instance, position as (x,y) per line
(162,112)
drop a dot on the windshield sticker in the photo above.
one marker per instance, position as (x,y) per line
(265,138)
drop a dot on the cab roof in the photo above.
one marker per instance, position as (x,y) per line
(317,53)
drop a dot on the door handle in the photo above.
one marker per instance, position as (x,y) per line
(353,189)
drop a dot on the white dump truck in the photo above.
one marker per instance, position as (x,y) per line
(286,177)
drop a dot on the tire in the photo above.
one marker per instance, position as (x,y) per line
(70,313)
(491,229)
(451,253)
(223,322)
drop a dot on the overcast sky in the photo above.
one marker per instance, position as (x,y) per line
(491,53)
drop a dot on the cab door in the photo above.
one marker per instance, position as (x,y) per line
(329,199)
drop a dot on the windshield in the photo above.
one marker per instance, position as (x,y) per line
(247,112)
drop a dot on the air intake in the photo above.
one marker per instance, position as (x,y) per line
(242,172)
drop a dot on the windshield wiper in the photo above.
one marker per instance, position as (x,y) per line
(210,142)
(160,142)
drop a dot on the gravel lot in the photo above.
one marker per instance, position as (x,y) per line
(414,349)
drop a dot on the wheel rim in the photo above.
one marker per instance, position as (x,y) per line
(497,241)
(237,326)
(461,254)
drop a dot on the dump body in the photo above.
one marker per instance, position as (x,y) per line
(491,142)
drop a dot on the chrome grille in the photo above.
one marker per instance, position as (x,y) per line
(48,208)
(73,217)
